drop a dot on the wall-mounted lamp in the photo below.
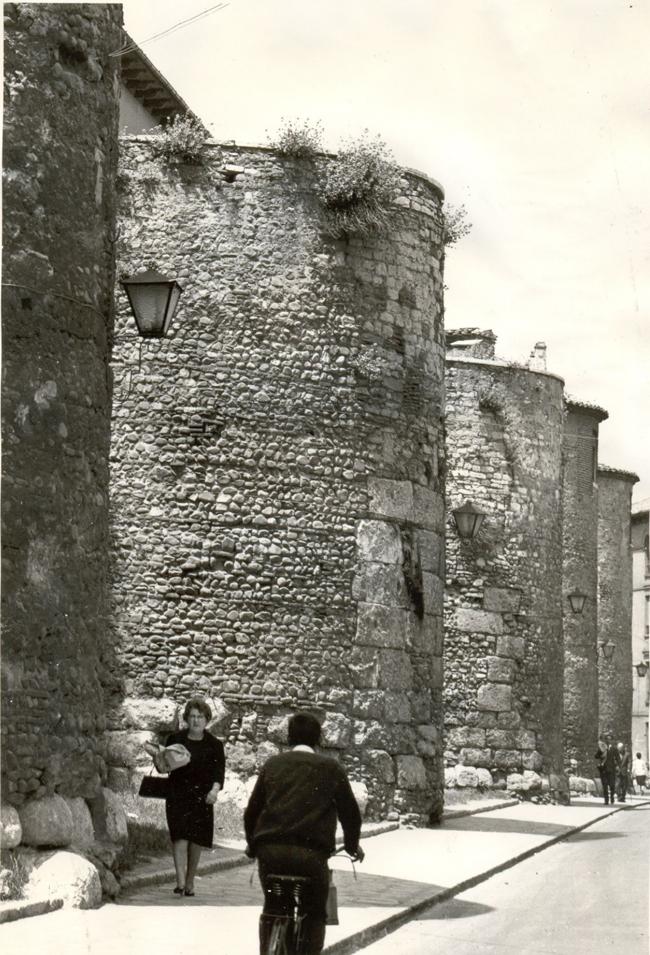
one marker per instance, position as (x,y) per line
(577,601)
(153,299)
(607,649)
(468,520)
(642,668)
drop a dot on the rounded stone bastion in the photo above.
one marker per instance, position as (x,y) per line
(503,617)
(277,497)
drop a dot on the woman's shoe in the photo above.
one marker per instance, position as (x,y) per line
(178,890)
(188,892)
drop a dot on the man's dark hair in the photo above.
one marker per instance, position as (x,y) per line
(303,730)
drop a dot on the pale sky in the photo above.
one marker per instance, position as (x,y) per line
(534,115)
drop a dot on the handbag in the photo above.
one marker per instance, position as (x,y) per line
(331,908)
(154,787)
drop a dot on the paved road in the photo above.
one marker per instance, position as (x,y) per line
(585,896)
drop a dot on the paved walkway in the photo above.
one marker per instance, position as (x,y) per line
(404,871)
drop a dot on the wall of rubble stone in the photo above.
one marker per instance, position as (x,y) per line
(503,615)
(278,515)
(60,129)
(580,574)
(615,601)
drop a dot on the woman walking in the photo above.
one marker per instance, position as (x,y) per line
(194,789)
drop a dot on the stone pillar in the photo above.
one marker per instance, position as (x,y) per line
(60,155)
(278,519)
(503,619)
(580,574)
(615,602)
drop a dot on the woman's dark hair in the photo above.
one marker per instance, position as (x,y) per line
(197,704)
(303,730)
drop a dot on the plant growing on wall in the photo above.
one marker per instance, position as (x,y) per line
(183,140)
(358,186)
(456,226)
(298,139)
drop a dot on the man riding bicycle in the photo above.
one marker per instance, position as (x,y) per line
(290,822)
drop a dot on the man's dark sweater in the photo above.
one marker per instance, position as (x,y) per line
(296,800)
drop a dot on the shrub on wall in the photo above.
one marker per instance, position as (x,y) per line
(358,187)
(456,226)
(298,139)
(183,140)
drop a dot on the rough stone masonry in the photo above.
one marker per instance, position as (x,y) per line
(277,467)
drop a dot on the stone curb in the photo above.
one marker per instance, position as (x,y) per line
(23,910)
(373,933)
(139,881)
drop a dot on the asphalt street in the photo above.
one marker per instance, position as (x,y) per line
(585,896)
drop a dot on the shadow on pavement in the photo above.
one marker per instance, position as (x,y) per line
(592,836)
(478,824)
(454,909)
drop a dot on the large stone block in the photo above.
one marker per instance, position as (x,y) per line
(411,772)
(155,715)
(501,669)
(368,704)
(126,747)
(379,542)
(425,634)
(509,646)
(501,599)
(476,621)
(379,765)
(381,626)
(109,817)
(337,731)
(67,876)
(46,822)
(363,666)
(391,498)
(465,736)
(431,551)
(83,833)
(428,508)
(494,697)
(432,593)
(476,757)
(395,671)
(380,584)
(10,828)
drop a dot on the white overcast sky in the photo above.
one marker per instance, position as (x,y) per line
(534,115)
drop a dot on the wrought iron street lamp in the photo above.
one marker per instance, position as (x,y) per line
(153,299)
(468,520)
(642,668)
(607,649)
(577,601)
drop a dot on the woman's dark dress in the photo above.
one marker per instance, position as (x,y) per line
(188,814)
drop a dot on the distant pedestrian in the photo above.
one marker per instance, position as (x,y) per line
(622,772)
(607,761)
(640,772)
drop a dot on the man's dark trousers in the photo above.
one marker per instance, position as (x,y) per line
(609,784)
(279,859)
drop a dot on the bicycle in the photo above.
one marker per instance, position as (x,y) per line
(281,922)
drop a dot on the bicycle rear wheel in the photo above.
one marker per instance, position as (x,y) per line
(279,940)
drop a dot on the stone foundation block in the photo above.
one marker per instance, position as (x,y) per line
(411,773)
(380,542)
(381,626)
(476,621)
(83,834)
(391,498)
(46,822)
(509,646)
(67,876)
(501,599)
(10,828)
(494,697)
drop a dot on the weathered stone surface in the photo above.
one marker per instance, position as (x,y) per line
(431,551)
(336,731)
(501,599)
(368,704)
(477,621)
(380,764)
(509,646)
(508,758)
(380,584)
(277,729)
(395,671)
(501,670)
(83,833)
(126,747)
(46,822)
(109,817)
(527,782)
(533,761)
(432,592)
(411,773)
(494,697)
(466,776)
(391,498)
(67,876)
(379,542)
(428,508)
(265,751)
(476,757)
(153,715)
(360,791)
(460,736)
(221,717)
(381,626)
(484,777)
(10,828)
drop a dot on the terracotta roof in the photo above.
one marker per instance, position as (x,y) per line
(617,472)
(595,410)
(149,86)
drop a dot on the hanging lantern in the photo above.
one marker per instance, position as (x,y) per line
(642,668)
(577,601)
(468,520)
(153,299)
(607,649)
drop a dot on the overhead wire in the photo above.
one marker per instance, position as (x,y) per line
(176,26)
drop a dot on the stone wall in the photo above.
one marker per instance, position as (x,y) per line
(60,129)
(278,517)
(615,602)
(503,615)
(580,574)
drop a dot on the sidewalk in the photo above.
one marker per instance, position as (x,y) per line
(405,871)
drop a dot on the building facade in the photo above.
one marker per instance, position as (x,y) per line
(640,626)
